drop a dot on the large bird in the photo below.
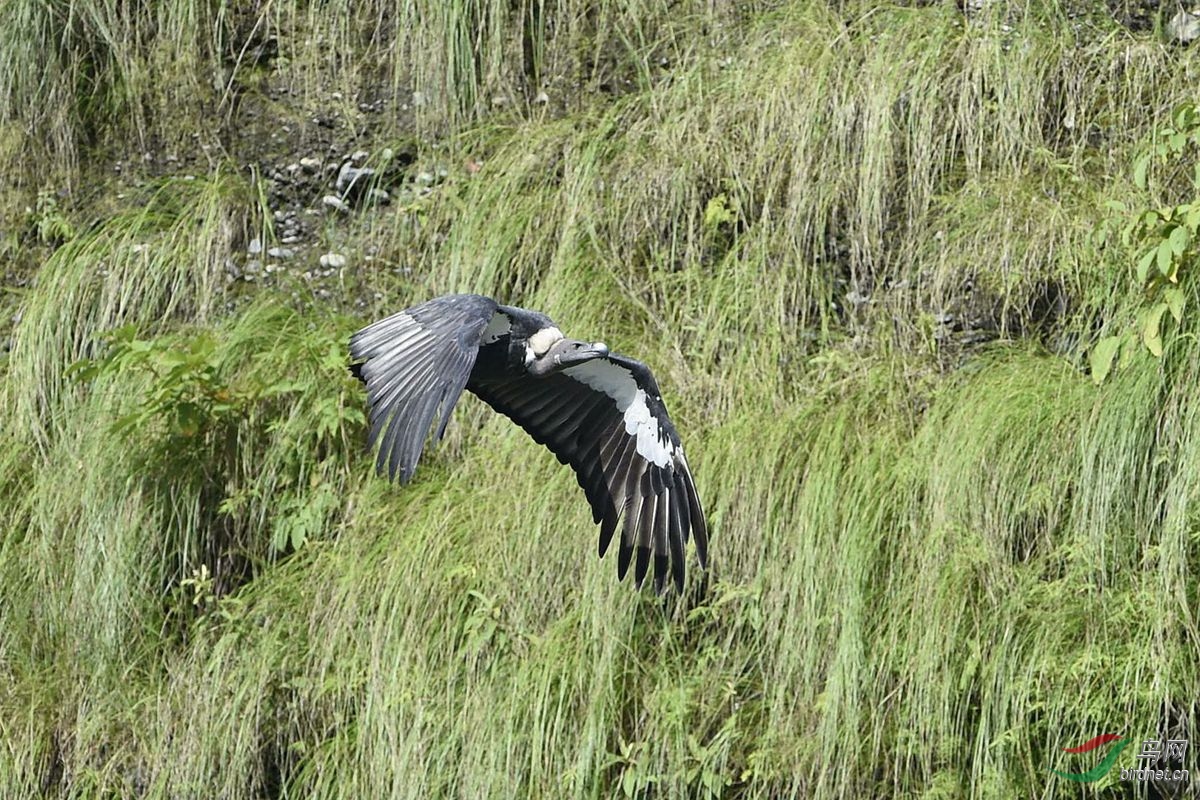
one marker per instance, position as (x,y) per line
(595,410)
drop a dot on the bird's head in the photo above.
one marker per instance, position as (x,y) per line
(562,354)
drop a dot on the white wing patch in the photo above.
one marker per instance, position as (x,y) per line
(617,383)
(499,325)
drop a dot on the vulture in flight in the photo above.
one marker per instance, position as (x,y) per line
(597,411)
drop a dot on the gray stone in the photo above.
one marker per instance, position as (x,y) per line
(1184,27)
(333,260)
(281,253)
(334,202)
(352,181)
(255,246)
(310,164)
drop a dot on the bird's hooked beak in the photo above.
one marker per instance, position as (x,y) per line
(567,353)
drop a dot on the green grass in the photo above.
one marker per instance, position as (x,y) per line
(934,563)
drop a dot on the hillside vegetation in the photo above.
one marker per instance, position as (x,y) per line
(934,365)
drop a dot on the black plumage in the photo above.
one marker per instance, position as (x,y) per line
(599,412)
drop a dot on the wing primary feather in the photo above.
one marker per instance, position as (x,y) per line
(699,526)
(385,445)
(662,507)
(607,526)
(625,554)
(681,508)
(675,538)
(644,531)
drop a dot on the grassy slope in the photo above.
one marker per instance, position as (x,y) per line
(932,568)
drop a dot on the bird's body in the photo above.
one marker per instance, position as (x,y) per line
(597,411)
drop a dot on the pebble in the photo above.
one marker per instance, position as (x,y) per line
(351,181)
(542,98)
(281,253)
(310,164)
(255,246)
(1184,27)
(335,202)
(333,260)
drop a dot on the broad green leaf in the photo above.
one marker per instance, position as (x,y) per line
(1174,299)
(1143,267)
(1178,240)
(1117,205)
(1191,217)
(1151,330)
(1140,167)
(1102,357)
(1164,256)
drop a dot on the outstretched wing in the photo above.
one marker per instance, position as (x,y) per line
(605,419)
(415,363)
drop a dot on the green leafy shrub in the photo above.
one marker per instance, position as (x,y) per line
(1166,236)
(256,419)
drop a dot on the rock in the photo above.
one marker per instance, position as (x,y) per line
(418,99)
(333,261)
(281,253)
(335,202)
(293,168)
(542,98)
(310,164)
(290,239)
(379,196)
(424,178)
(359,156)
(255,246)
(352,181)
(1184,27)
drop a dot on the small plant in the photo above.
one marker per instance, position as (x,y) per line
(1168,240)
(187,394)
(49,224)
(202,400)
